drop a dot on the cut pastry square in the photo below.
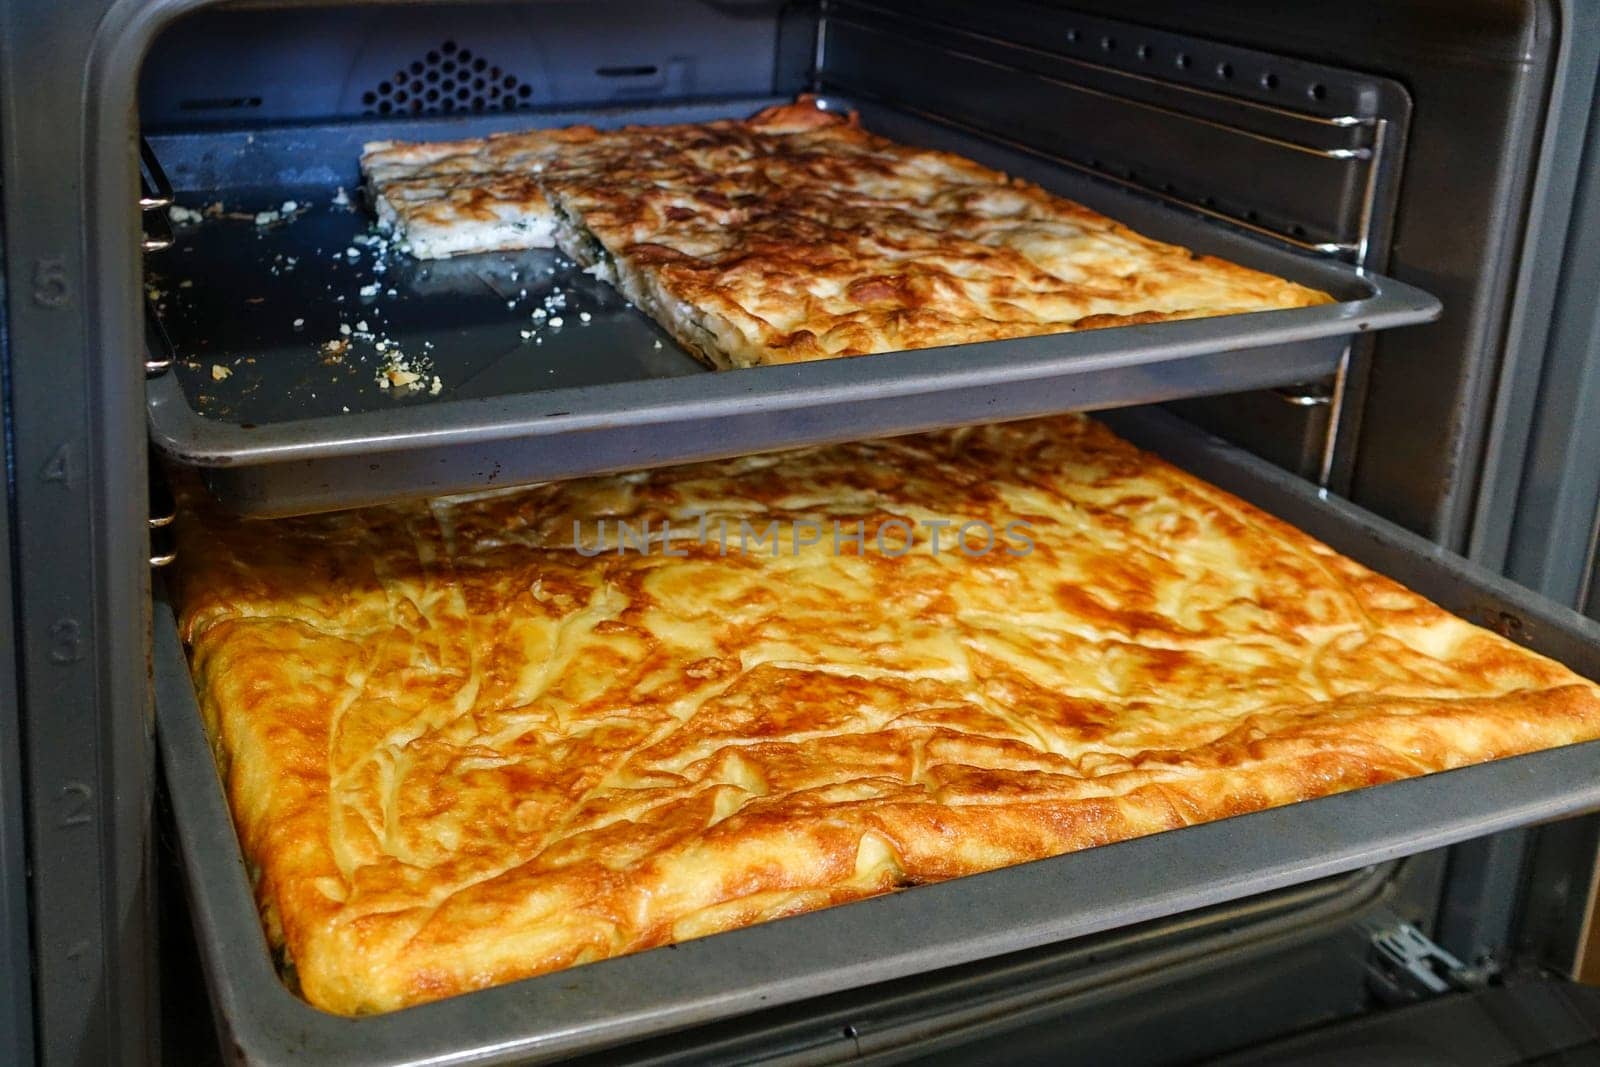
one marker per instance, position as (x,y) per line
(448,198)
(486,194)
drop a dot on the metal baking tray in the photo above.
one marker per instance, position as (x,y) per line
(924,928)
(276,428)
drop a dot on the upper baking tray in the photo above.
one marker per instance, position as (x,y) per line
(928,927)
(279,429)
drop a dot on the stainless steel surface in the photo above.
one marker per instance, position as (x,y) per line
(162,553)
(1412,437)
(280,430)
(163,508)
(1184,103)
(1326,248)
(161,238)
(158,354)
(1270,141)
(155,188)
(1084,997)
(1166,109)
(1305,394)
(1591,604)
(943,925)
(1538,337)
(1548,518)
(155,197)
(1339,391)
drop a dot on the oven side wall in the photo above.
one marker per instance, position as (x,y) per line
(1478,74)
(81,582)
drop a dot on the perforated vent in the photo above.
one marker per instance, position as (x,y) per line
(449,78)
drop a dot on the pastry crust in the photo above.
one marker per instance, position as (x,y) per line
(446,198)
(796,235)
(459,751)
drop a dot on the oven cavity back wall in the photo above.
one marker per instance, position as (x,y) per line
(370,60)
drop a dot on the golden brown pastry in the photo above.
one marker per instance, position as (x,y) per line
(469,741)
(796,235)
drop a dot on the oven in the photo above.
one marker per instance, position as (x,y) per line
(1430,165)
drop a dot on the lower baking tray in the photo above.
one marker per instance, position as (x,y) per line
(277,427)
(924,928)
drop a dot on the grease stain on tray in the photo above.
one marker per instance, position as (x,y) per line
(311,312)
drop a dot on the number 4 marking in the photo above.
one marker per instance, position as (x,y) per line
(58,468)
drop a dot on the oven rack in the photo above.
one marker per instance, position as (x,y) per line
(1323,144)
(1344,137)
(275,430)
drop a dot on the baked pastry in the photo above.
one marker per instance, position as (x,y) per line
(447,198)
(797,235)
(473,740)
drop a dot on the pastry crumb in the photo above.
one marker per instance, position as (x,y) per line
(184,216)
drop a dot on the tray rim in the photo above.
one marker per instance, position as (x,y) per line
(190,438)
(881,938)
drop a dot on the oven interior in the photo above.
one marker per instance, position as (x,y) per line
(1393,138)
(1295,130)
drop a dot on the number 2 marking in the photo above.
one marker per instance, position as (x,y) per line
(75,798)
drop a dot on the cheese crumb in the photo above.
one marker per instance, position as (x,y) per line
(299,323)
(266,218)
(370,290)
(183,216)
(583,316)
(289,207)
(220,373)
(556,321)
